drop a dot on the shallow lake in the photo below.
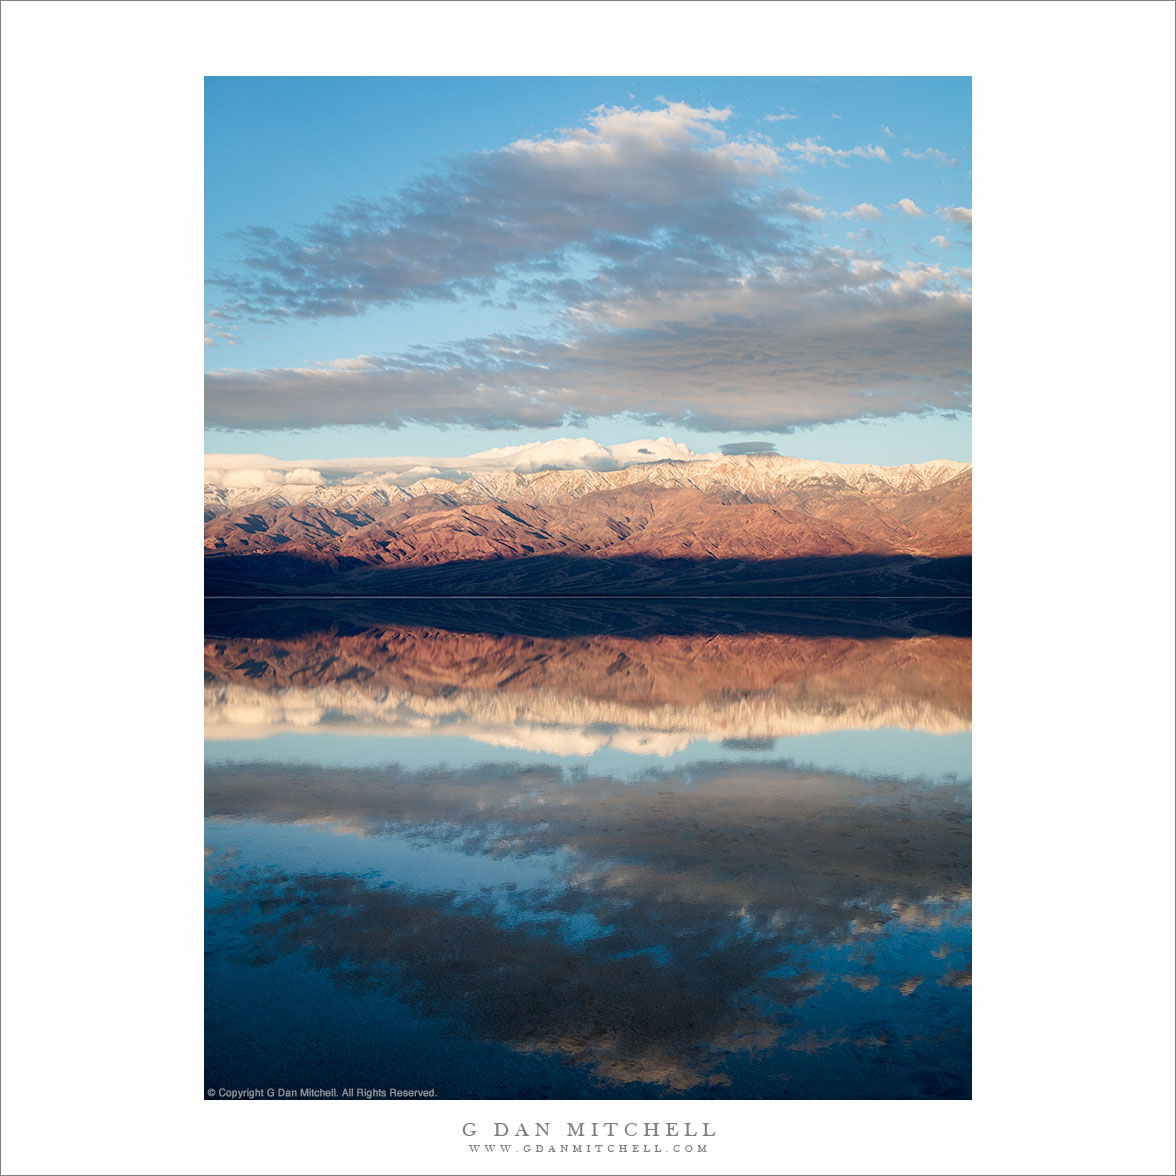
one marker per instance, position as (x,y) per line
(587,853)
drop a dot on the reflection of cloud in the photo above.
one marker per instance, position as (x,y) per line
(710,890)
(629,1018)
(863,983)
(962,978)
(783,847)
(575,696)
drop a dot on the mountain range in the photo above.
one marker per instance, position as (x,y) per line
(644,527)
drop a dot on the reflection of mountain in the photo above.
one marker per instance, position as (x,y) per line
(711,904)
(574,695)
(647,616)
(652,525)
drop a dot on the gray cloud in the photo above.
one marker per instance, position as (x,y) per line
(760,356)
(956,216)
(667,186)
(738,447)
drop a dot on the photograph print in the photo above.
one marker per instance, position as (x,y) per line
(587,573)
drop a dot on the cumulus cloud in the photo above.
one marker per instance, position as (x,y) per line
(633,186)
(862,212)
(251,476)
(934,154)
(909,207)
(888,132)
(783,116)
(304,476)
(941,241)
(956,216)
(217,326)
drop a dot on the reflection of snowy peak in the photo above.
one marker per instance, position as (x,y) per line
(548,722)
(572,697)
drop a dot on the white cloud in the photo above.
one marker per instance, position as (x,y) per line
(358,363)
(249,476)
(888,132)
(957,215)
(783,116)
(215,328)
(917,277)
(934,154)
(861,212)
(812,150)
(941,241)
(806,212)
(567,453)
(909,207)
(304,476)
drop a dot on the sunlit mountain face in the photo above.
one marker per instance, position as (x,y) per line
(664,854)
(738,521)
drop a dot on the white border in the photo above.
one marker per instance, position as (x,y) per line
(102,191)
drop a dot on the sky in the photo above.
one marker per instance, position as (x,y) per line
(444,266)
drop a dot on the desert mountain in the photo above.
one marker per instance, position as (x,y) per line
(755,508)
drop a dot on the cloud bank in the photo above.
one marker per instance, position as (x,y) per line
(232,470)
(674,265)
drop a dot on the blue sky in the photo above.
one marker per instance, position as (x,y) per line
(437,266)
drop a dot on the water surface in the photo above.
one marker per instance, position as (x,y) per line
(682,858)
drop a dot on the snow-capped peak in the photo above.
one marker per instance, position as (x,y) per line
(566,467)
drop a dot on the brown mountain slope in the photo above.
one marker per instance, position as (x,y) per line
(643,519)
